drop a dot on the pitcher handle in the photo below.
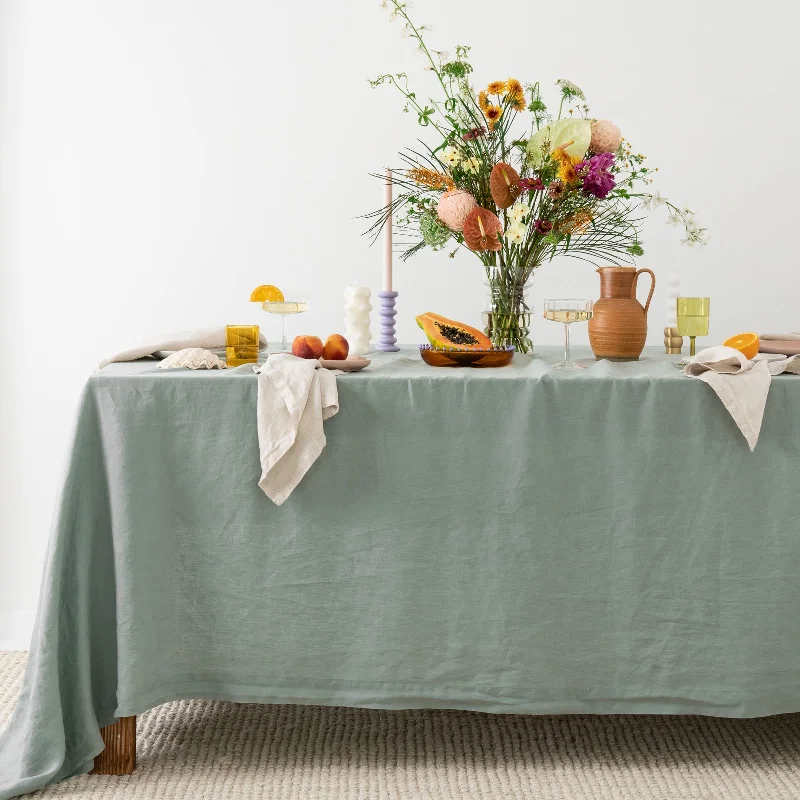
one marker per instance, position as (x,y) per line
(652,286)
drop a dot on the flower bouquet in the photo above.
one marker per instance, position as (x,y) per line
(514,191)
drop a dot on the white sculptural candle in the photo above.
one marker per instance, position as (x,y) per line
(356,319)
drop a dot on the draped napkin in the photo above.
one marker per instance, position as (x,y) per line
(742,384)
(295,395)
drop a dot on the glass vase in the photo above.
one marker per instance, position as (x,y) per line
(507,312)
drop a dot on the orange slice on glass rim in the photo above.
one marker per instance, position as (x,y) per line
(266,294)
(745,343)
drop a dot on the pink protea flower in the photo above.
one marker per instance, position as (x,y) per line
(454,207)
(606,137)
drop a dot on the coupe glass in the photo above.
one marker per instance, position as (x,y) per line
(693,319)
(292,303)
(568,311)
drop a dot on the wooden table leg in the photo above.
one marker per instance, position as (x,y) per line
(119,757)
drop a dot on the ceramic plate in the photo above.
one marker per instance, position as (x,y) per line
(351,364)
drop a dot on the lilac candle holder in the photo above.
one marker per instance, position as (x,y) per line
(387,313)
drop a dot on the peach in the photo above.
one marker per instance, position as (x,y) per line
(307,346)
(336,347)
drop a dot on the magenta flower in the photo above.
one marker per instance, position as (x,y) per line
(595,176)
(542,226)
(475,133)
(530,185)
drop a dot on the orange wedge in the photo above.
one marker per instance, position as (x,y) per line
(746,343)
(266,294)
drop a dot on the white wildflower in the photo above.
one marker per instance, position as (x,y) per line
(451,156)
(569,88)
(518,211)
(674,219)
(471,165)
(516,233)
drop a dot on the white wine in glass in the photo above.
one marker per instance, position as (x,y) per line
(291,304)
(567,312)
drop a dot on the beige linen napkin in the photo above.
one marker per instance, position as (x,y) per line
(295,395)
(207,338)
(741,384)
(781,337)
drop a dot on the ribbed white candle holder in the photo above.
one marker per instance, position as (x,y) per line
(356,319)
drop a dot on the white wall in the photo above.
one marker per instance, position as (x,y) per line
(159,158)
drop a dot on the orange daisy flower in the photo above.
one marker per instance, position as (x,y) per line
(492,114)
(483,100)
(566,165)
(496,87)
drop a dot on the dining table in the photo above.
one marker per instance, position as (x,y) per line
(515,540)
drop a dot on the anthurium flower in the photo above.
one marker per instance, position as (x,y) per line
(481,229)
(571,135)
(504,185)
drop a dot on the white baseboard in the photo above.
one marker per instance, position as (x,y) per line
(16,628)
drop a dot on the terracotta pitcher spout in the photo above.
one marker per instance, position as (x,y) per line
(618,328)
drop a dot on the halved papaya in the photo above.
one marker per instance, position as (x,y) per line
(443,332)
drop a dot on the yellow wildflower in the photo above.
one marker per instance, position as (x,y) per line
(566,164)
(492,114)
(496,87)
(517,101)
(483,101)
(513,86)
(430,178)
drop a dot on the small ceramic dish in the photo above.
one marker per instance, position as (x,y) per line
(350,364)
(492,357)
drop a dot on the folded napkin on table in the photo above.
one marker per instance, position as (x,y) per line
(207,338)
(780,336)
(740,383)
(294,396)
(785,343)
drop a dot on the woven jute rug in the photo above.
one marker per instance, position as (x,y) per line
(202,749)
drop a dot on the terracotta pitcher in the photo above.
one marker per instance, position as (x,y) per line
(618,329)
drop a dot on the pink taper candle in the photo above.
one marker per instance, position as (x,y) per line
(387,241)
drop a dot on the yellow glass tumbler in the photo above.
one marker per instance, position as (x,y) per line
(241,345)
(693,319)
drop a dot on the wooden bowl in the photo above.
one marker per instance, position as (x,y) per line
(493,357)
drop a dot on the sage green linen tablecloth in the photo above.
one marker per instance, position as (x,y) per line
(510,540)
